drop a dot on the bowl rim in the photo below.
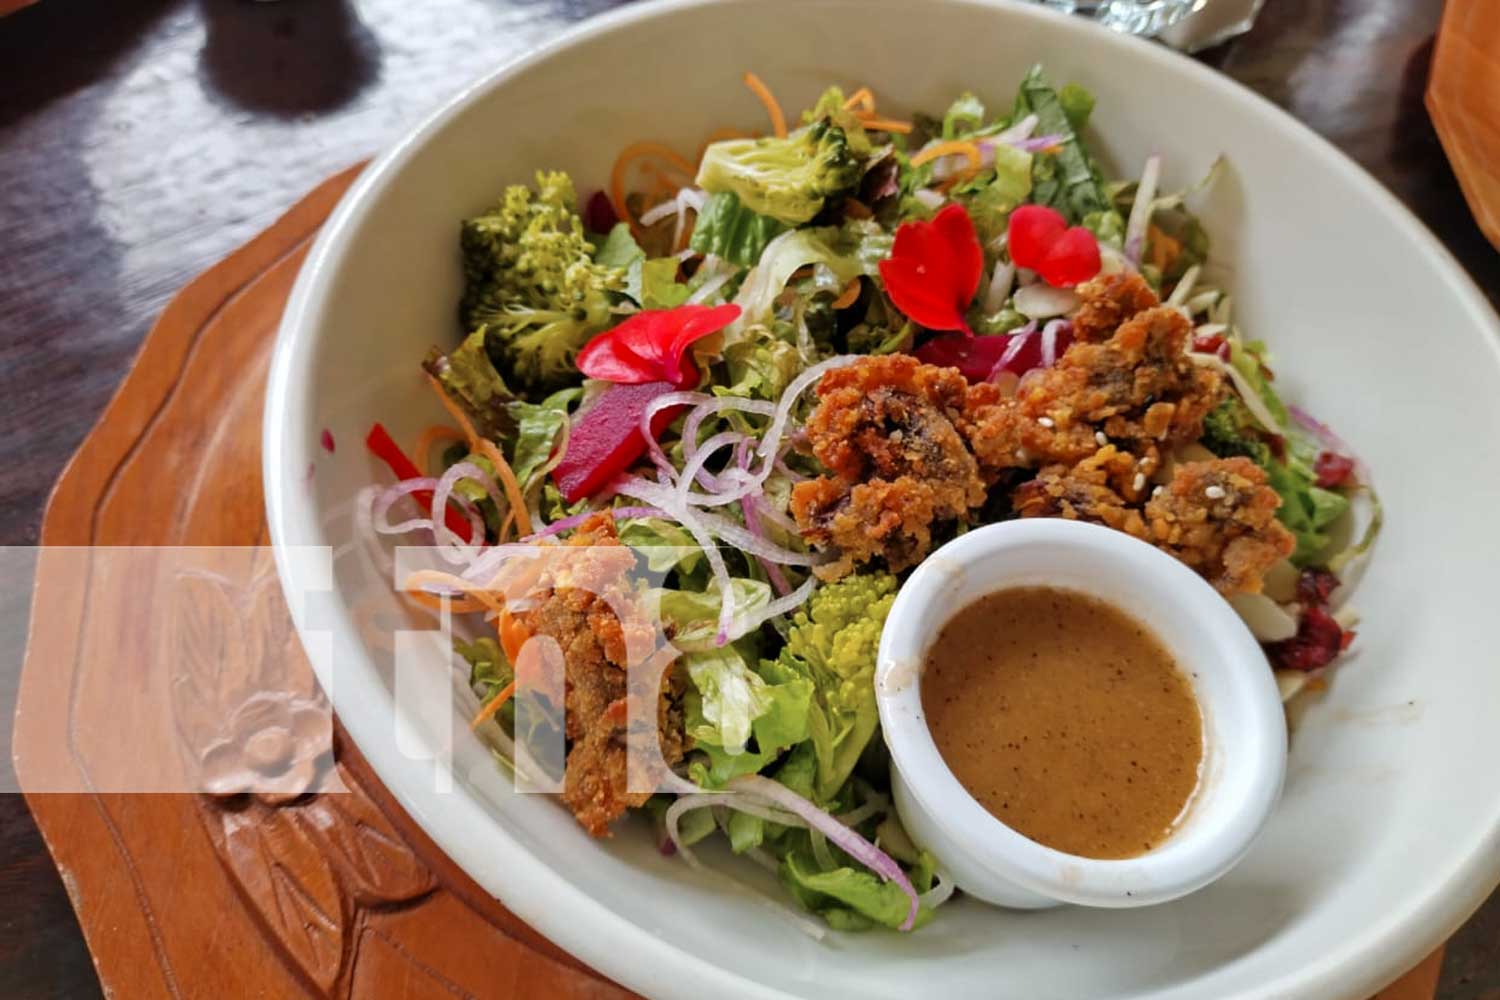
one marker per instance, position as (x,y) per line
(1243,710)
(1358,964)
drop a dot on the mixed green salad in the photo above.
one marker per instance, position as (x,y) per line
(769,358)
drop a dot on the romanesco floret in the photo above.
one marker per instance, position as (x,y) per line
(833,642)
(787,179)
(531,283)
(839,630)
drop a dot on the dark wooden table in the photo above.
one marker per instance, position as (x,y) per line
(141,141)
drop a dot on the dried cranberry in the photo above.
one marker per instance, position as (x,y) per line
(1333,469)
(1314,586)
(599,213)
(1318,640)
(1214,344)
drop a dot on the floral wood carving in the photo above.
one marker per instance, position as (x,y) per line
(258,734)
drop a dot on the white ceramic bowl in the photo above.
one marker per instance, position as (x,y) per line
(1386,835)
(1244,729)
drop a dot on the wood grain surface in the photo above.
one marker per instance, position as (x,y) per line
(141,141)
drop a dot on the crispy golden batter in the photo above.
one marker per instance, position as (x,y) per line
(584,602)
(910,446)
(1082,493)
(885,427)
(1219,517)
(889,520)
(1108,301)
(1137,390)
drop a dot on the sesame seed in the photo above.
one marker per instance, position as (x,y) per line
(1214,493)
(1140,482)
(1101,438)
(1158,491)
(1045,421)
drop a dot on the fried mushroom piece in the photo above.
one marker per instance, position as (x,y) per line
(1219,517)
(1137,390)
(1109,300)
(889,520)
(885,427)
(1081,492)
(585,603)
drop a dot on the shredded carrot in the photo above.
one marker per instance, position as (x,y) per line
(507,525)
(885,125)
(760,90)
(493,705)
(513,635)
(862,99)
(486,447)
(478,598)
(437,602)
(431,436)
(951,148)
(631,153)
(848,296)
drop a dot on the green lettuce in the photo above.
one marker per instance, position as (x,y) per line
(537,428)
(729,230)
(470,379)
(1069,180)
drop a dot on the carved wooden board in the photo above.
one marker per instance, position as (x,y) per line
(231,894)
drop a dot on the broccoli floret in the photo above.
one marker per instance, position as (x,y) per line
(1227,433)
(787,179)
(531,283)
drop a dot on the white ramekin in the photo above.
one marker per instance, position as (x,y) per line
(1244,727)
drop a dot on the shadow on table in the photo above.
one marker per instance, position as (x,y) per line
(297,58)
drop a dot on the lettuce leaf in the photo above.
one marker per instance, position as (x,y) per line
(537,428)
(851,898)
(729,230)
(1069,180)
(470,379)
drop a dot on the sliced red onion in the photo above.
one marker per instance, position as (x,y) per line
(387,497)
(574,520)
(1140,212)
(1042,301)
(1203,301)
(878,805)
(781,606)
(442,493)
(665,498)
(750,508)
(713,524)
(1020,130)
(1054,341)
(653,447)
(1038,144)
(695,463)
(850,842)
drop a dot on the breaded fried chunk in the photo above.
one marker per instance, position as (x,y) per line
(886,428)
(1219,517)
(584,602)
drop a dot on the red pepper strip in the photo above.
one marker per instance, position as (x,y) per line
(652,345)
(380,442)
(1039,239)
(605,439)
(980,359)
(933,270)
(1332,469)
(1212,344)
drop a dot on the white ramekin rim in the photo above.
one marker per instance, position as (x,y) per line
(1252,729)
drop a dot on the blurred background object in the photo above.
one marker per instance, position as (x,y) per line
(1463,98)
(1135,17)
(1211,23)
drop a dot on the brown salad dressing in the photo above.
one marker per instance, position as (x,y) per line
(1065,718)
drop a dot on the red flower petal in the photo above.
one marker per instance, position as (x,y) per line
(1039,239)
(1072,258)
(934,268)
(1032,230)
(652,345)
